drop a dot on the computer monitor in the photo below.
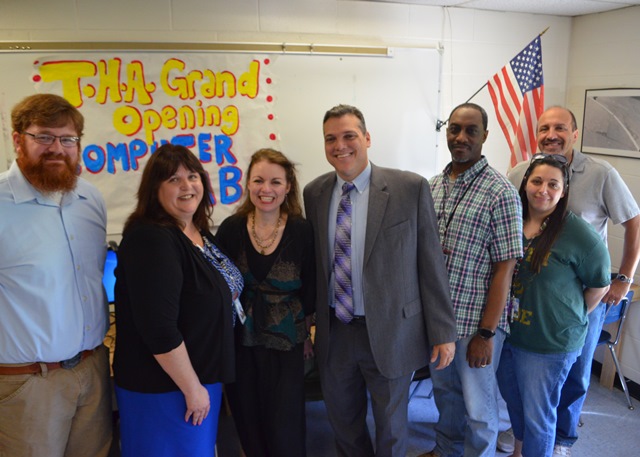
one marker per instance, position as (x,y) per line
(109,277)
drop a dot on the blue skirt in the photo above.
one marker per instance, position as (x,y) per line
(152,425)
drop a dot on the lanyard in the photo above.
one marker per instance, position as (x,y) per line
(455,208)
(526,248)
(513,305)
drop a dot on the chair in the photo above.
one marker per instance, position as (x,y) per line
(615,314)
(419,376)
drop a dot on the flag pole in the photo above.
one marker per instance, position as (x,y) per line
(440,124)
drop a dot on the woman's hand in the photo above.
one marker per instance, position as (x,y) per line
(308,343)
(308,349)
(593,295)
(178,366)
(198,405)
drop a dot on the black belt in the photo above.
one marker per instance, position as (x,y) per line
(355,320)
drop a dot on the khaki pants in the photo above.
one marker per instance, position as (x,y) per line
(60,413)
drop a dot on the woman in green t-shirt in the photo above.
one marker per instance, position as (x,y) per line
(563,274)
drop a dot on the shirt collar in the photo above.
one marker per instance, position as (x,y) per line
(578,162)
(361,181)
(24,192)
(469,174)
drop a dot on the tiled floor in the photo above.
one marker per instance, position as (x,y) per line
(610,428)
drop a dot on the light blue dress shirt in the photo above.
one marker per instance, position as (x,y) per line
(360,209)
(52,302)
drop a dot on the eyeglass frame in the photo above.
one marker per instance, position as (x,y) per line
(40,139)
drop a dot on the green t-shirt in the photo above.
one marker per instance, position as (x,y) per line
(552,315)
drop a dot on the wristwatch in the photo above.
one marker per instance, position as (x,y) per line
(624,278)
(485,333)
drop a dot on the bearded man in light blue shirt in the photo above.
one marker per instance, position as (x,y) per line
(54,369)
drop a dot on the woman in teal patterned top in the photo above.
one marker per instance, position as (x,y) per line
(272,245)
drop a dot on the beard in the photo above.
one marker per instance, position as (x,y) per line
(47,178)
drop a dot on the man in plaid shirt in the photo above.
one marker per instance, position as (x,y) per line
(480,223)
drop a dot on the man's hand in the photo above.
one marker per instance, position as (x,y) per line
(445,352)
(617,292)
(479,352)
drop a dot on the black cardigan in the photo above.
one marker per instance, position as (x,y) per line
(167,293)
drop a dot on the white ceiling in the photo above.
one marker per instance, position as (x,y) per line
(551,7)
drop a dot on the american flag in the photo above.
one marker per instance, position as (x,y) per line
(517,92)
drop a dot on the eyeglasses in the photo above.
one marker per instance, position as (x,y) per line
(557,157)
(65,141)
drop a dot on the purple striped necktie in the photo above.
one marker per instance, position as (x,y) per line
(342,257)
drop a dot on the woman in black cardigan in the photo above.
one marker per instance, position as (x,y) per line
(272,245)
(174,317)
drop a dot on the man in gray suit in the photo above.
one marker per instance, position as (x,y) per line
(399,314)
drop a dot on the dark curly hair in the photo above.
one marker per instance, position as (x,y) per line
(160,167)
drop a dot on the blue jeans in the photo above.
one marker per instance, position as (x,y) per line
(574,391)
(463,392)
(530,383)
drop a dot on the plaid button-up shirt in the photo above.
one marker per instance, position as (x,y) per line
(480,223)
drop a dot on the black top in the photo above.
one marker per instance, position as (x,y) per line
(279,288)
(166,293)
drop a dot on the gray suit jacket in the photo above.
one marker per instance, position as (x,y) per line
(406,287)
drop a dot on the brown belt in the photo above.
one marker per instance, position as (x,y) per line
(36,367)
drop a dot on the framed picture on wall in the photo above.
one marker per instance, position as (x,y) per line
(611,123)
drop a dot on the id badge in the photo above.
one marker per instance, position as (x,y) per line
(515,308)
(239,310)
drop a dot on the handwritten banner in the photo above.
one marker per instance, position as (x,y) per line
(220,106)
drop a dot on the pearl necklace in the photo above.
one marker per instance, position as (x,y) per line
(272,237)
